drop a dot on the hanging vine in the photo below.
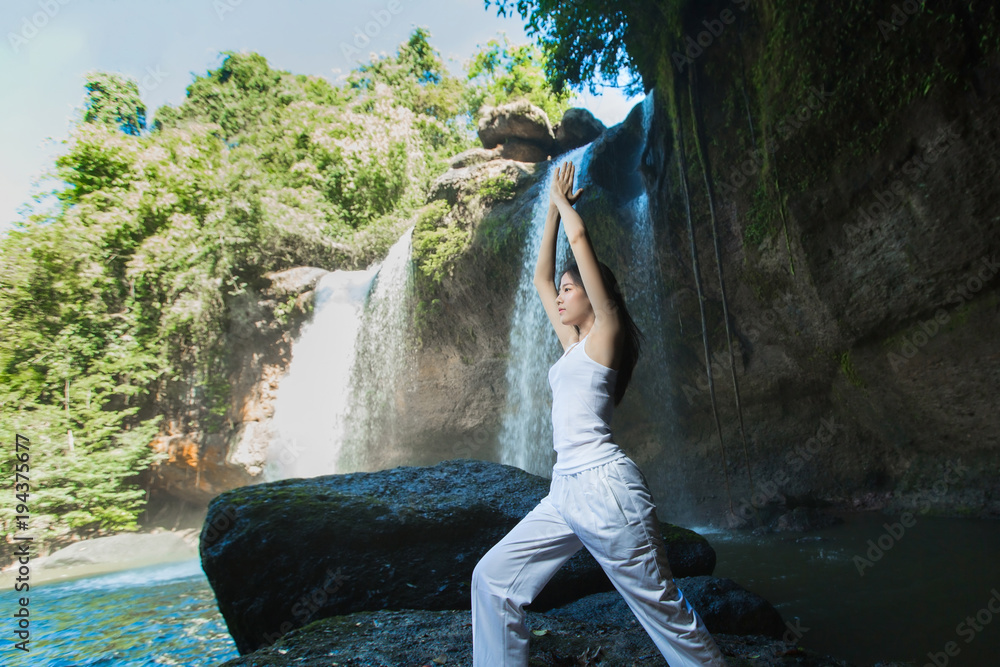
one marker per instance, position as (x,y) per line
(699,142)
(682,165)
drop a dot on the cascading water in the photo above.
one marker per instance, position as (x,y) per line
(526,431)
(526,434)
(352,324)
(644,289)
(382,364)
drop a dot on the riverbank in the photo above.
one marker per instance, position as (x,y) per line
(124,551)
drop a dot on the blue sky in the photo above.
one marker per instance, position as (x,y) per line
(49,45)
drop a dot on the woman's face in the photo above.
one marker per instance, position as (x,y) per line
(572,302)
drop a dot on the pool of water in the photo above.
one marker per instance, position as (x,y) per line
(157,615)
(864,592)
(918,589)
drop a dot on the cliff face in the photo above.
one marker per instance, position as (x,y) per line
(204,454)
(856,201)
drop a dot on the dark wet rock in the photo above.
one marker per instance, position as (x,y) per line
(523,151)
(518,120)
(464,182)
(412,638)
(724,605)
(282,554)
(578,127)
(474,156)
(727,607)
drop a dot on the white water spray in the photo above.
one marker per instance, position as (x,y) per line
(314,399)
(526,433)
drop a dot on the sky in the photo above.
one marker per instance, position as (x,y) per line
(48,46)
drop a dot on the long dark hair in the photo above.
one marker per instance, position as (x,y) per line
(633,337)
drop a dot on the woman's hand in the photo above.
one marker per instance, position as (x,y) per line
(562,185)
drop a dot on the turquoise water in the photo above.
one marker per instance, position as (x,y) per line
(157,615)
(911,601)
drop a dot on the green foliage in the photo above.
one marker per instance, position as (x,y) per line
(847,366)
(243,92)
(437,241)
(117,307)
(497,188)
(421,83)
(114,100)
(502,73)
(583,42)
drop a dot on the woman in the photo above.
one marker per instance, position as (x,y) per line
(598,497)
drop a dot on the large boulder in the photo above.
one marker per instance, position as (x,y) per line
(282,554)
(465,182)
(517,120)
(724,605)
(474,156)
(521,150)
(578,127)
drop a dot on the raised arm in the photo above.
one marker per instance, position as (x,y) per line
(545,271)
(605,313)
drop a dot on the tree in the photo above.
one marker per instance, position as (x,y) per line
(584,41)
(502,73)
(417,75)
(114,100)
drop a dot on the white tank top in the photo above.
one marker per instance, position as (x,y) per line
(582,403)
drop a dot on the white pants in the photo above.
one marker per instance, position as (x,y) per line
(609,510)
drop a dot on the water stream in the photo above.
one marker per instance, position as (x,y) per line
(526,431)
(341,382)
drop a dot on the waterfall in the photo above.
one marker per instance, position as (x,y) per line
(382,364)
(526,431)
(357,321)
(526,434)
(644,289)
